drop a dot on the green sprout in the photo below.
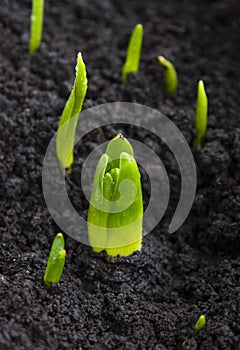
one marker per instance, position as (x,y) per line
(170,75)
(133,53)
(116,205)
(55,262)
(200,324)
(69,118)
(201,114)
(36,25)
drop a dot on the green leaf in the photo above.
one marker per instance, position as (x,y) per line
(116,206)
(170,75)
(56,261)
(98,212)
(201,114)
(200,324)
(133,52)
(36,25)
(68,122)
(115,176)
(115,147)
(127,193)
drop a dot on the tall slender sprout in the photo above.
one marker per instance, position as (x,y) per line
(170,75)
(116,205)
(56,261)
(201,114)
(133,53)
(68,122)
(36,25)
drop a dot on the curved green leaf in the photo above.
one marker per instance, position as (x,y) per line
(68,122)
(201,114)
(170,75)
(36,25)
(56,261)
(200,324)
(133,52)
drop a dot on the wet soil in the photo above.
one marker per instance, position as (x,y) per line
(153,299)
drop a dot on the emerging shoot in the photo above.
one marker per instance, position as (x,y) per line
(116,205)
(55,262)
(69,118)
(133,53)
(201,114)
(36,25)
(200,324)
(170,75)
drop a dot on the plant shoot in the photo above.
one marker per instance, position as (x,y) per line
(69,118)
(170,75)
(133,53)
(201,114)
(55,262)
(116,205)
(200,324)
(36,25)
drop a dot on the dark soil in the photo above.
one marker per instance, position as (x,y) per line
(153,299)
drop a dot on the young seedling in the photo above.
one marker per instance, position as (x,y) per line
(201,114)
(55,262)
(133,53)
(116,205)
(68,122)
(170,75)
(200,324)
(36,25)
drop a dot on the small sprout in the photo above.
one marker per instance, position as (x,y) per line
(133,53)
(116,205)
(170,75)
(55,262)
(66,132)
(36,25)
(201,114)
(200,324)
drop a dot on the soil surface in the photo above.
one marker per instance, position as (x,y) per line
(153,299)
